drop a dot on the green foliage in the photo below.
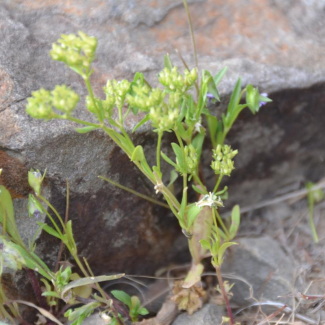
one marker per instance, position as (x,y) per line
(133,304)
(170,107)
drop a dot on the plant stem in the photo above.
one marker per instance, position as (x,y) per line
(55,212)
(218,183)
(92,97)
(37,289)
(192,245)
(222,224)
(215,223)
(70,118)
(224,294)
(199,182)
(191,31)
(160,134)
(65,222)
(145,197)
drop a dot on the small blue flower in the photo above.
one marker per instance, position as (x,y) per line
(262,102)
(211,99)
(37,214)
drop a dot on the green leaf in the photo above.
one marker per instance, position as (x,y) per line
(143,121)
(212,126)
(252,98)
(81,313)
(167,62)
(235,97)
(86,129)
(235,221)
(51,294)
(197,143)
(182,132)
(168,160)
(212,87)
(172,178)
(49,230)
(198,190)
(192,213)
(33,262)
(222,250)
(138,154)
(217,78)
(179,155)
(90,280)
(7,217)
(122,296)
(44,312)
(143,311)
(205,243)
(201,101)
(183,204)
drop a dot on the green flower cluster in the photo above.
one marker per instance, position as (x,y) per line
(174,81)
(223,163)
(164,115)
(77,52)
(143,98)
(41,104)
(191,159)
(117,91)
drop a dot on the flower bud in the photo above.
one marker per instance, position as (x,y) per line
(35,180)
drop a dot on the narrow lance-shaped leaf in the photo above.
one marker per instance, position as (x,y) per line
(90,280)
(212,87)
(168,160)
(49,230)
(222,250)
(41,310)
(179,155)
(192,213)
(7,218)
(198,190)
(167,62)
(235,221)
(122,296)
(217,78)
(234,99)
(212,126)
(143,121)
(86,129)
(183,204)
(198,143)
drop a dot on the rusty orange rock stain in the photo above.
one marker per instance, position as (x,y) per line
(14,176)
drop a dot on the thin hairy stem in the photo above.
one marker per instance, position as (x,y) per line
(225,295)
(65,222)
(160,134)
(145,197)
(191,31)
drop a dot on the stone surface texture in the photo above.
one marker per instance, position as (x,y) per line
(261,265)
(274,44)
(209,314)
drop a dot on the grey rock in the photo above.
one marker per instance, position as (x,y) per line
(209,314)
(261,265)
